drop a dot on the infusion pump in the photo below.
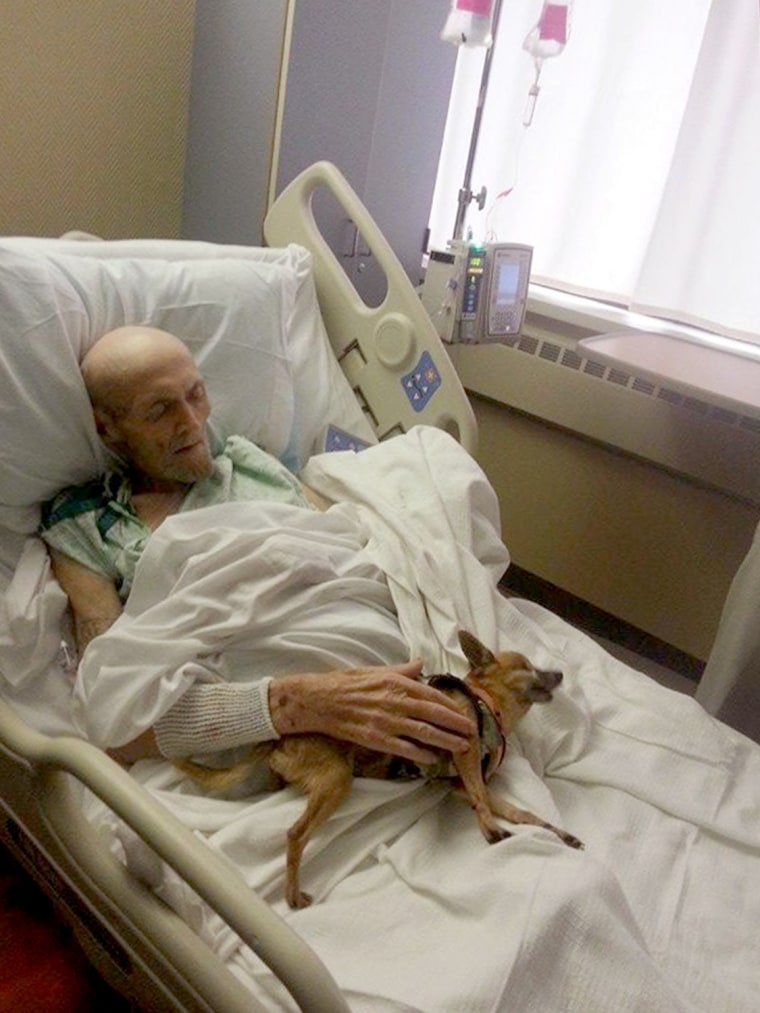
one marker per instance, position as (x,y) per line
(477,293)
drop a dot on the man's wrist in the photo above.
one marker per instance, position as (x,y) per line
(287,705)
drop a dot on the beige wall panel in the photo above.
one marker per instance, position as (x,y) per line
(651,548)
(93,115)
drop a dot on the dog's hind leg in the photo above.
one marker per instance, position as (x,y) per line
(521,816)
(324,774)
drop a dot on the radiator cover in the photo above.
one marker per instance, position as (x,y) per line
(542,374)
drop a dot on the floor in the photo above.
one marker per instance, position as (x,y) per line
(661,661)
(664,675)
(42,967)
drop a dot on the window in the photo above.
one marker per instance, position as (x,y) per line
(636,179)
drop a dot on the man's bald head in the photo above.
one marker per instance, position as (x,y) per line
(116,364)
(150,405)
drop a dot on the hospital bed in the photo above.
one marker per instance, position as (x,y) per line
(176,896)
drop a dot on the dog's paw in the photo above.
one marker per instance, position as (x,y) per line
(569,840)
(299,900)
(565,837)
(495,834)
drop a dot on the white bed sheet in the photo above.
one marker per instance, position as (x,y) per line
(414,910)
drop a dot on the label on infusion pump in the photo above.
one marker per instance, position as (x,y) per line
(508,277)
(473,279)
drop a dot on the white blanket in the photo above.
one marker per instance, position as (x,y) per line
(414,911)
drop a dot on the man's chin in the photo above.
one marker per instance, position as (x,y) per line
(192,466)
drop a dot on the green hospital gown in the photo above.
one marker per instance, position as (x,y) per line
(96,525)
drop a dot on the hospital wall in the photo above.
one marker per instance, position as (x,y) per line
(640,505)
(278,85)
(93,116)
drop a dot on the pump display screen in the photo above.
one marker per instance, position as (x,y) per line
(507,284)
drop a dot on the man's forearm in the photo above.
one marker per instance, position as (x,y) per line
(94,601)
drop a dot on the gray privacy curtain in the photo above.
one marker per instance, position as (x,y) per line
(730,685)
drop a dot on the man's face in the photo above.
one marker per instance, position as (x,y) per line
(161,425)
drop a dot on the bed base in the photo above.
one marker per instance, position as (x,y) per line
(138,944)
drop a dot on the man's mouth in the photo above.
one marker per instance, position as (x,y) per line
(188,447)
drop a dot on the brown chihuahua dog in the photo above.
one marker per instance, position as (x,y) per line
(498,691)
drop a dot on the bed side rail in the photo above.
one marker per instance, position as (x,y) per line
(391,353)
(293,962)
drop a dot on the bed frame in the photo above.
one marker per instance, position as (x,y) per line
(140,946)
(381,349)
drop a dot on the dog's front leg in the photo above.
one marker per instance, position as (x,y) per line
(472,787)
(522,816)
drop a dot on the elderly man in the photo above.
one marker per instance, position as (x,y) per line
(150,407)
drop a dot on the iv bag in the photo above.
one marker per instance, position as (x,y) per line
(469,23)
(549,36)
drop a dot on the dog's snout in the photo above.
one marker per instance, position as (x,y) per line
(551,679)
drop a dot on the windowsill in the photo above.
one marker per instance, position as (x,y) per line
(704,371)
(723,370)
(602,318)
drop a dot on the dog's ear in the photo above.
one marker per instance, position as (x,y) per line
(476,653)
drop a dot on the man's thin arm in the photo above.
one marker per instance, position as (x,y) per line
(95,603)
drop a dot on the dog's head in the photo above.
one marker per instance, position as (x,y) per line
(509,677)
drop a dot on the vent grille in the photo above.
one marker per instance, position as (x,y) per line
(549,351)
(529,345)
(571,359)
(594,369)
(619,377)
(553,352)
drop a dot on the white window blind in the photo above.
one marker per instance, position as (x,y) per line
(637,180)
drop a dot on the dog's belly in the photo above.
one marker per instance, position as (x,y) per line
(383,767)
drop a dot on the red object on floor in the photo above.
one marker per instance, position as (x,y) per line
(42,967)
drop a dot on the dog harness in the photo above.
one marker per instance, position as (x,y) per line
(493,743)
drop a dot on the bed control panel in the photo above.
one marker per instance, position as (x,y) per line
(421,383)
(339,439)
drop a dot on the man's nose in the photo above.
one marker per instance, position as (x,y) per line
(190,417)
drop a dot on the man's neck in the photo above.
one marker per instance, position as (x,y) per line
(153,505)
(147,485)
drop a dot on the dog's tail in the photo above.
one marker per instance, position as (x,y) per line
(226,777)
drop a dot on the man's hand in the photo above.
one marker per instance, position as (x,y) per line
(384,708)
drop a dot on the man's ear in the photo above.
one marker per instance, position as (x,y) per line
(106,428)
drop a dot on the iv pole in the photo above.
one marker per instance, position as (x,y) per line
(466,195)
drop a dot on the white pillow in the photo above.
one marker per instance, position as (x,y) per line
(248,315)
